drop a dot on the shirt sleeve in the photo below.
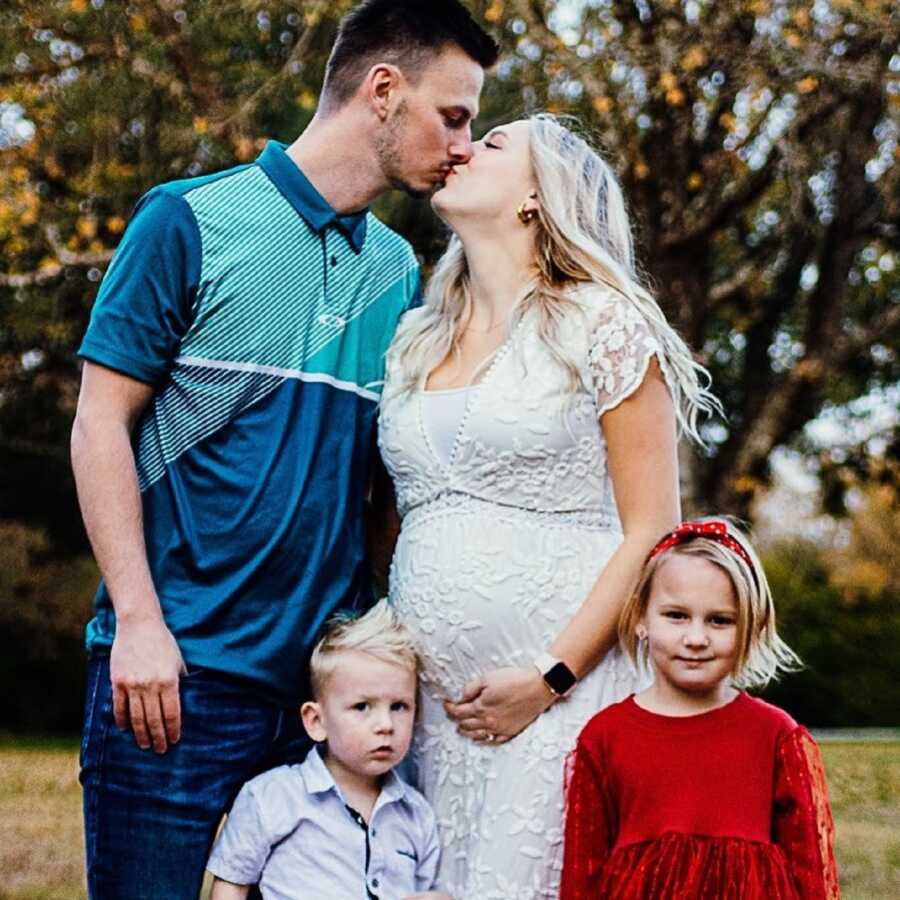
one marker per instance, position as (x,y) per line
(244,844)
(426,870)
(802,824)
(622,346)
(143,308)
(590,825)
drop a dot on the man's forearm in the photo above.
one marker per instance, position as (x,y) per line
(107,483)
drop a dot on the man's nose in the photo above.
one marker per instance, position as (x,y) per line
(461,149)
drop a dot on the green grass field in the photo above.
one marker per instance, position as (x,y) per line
(41,837)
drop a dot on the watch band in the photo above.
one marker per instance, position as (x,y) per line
(558,677)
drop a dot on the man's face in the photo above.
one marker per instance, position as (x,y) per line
(430,130)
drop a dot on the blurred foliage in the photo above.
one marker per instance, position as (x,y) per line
(847,636)
(757,142)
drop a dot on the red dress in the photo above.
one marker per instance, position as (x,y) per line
(726,805)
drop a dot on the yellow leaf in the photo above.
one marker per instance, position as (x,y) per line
(602,105)
(86,226)
(19,174)
(675,97)
(137,23)
(96,246)
(793,40)
(494,12)
(306,100)
(801,19)
(668,82)
(807,85)
(200,124)
(115,224)
(641,170)
(695,181)
(243,149)
(29,217)
(727,121)
(695,58)
(78,6)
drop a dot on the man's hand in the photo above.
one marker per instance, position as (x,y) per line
(144,666)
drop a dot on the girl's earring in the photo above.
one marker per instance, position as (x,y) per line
(641,633)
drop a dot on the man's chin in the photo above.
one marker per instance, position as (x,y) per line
(419,190)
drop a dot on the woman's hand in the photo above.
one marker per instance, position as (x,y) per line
(496,706)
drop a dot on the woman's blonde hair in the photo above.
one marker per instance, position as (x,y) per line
(378,632)
(761,653)
(583,237)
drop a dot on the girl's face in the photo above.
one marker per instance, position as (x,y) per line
(691,626)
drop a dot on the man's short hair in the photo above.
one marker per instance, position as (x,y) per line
(405,33)
(378,632)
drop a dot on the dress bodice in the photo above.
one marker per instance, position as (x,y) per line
(529,438)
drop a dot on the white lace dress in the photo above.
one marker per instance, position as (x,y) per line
(498,548)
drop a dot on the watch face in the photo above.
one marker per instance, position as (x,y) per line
(560,678)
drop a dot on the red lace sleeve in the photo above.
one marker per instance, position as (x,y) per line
(590,826)
(802,824)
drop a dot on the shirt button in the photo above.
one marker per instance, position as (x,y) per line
(374,832)
(333,260)
(374,882)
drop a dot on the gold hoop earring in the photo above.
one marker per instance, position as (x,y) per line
(525,215)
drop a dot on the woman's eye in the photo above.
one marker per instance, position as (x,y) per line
(492,146)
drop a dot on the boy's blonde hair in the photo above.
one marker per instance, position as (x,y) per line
(761,654)
(378,632)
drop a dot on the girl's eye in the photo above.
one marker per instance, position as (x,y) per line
(674,614)
(722,620)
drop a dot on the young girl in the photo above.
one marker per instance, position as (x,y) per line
(693,789)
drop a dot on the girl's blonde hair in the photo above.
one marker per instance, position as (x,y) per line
(761,654)
(378,632)
(583,237)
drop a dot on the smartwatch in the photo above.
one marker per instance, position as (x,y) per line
(558,677)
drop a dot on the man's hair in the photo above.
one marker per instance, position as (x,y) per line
(405,33)
(378,632)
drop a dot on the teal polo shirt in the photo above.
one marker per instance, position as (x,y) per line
(261,317)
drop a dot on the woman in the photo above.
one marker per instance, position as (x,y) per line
(529,424)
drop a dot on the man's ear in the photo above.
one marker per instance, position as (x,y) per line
(381,86)
(311,715)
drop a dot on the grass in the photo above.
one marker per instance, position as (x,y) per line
(41,841)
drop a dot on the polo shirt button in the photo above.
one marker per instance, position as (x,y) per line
(333,260)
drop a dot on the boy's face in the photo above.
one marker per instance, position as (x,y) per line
(366,714)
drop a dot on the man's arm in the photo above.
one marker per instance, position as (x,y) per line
(145,662)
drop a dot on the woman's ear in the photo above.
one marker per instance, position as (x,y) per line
(311,715)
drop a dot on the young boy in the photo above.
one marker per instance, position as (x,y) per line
(341,824)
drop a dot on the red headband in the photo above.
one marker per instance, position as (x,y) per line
(715,530)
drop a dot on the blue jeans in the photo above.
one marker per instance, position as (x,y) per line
(150,819)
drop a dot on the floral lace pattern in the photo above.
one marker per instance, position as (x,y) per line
(498,548)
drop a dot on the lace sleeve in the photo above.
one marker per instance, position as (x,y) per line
(622,346)
(802,823)
(590,825)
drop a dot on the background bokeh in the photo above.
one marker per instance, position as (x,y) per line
(757,142)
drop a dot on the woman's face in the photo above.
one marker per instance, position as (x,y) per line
(495,181)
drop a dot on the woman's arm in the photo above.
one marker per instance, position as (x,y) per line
(641,441)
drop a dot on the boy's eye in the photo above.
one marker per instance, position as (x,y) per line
(399,705)
(362,706)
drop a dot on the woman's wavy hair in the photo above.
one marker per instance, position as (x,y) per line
(583,237)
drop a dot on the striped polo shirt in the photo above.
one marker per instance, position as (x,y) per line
(261,318)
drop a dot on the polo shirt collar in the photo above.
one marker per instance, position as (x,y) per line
(319,780)
(299,191)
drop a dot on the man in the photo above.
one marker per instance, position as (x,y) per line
(222,440)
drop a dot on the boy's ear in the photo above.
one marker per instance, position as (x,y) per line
(311,715)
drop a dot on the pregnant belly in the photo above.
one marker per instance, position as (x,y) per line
(482,591)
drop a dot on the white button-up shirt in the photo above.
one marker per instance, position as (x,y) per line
(292,831)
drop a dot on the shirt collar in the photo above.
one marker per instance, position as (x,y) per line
(319,780)
(299,191)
